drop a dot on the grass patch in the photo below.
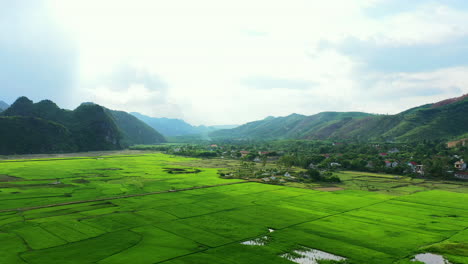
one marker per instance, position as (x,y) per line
(388,222)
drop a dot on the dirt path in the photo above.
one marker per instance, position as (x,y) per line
(118,197)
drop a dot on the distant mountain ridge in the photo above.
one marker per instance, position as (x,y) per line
(292,126)
(177,127)
(442,120)
(43,127)
(135,131)
(3,106)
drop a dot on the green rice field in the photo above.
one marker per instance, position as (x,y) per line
(153,208)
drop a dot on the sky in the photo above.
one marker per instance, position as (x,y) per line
(219,62)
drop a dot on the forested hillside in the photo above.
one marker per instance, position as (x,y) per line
(292,126)
(134,131)
(443,120)
(43,127)
(33,135)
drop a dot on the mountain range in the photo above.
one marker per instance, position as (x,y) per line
(43,127)
(439,121)
(177,127)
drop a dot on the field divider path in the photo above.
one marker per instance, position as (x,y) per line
(435,243)
(118,197)
(279,229)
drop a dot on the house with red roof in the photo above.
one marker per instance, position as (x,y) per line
(460,165)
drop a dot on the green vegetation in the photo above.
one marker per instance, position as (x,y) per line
(157,208)
(37,136)
(440,121)
(289,127)
(27,127)
(315,160)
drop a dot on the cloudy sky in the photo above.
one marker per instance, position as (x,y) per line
(229,62)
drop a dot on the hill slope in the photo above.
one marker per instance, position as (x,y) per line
(20,135)
(439,121)
(134,131)
(443,120)
(292,126)
(88,127)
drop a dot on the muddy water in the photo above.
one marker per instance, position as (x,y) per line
(310,256)
(429,258)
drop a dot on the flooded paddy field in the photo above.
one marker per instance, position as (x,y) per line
(132,209)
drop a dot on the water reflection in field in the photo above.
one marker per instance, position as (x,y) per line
(429,258)
(310,256)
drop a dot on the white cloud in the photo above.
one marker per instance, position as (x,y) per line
(395,92)
(204,49)
(432,24)
(136,98)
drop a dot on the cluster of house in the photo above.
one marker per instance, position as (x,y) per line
(413,166)
(461,172)
(260,153)
(274,178)
(460,166)
(418,168)
(391,151)
(392,164)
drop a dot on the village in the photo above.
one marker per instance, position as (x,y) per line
(293,160)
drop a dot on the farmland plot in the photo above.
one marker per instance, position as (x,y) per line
(130,209)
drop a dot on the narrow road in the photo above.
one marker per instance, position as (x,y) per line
(118,197)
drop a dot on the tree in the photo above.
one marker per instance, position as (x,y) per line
(314,174)
(264,160)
